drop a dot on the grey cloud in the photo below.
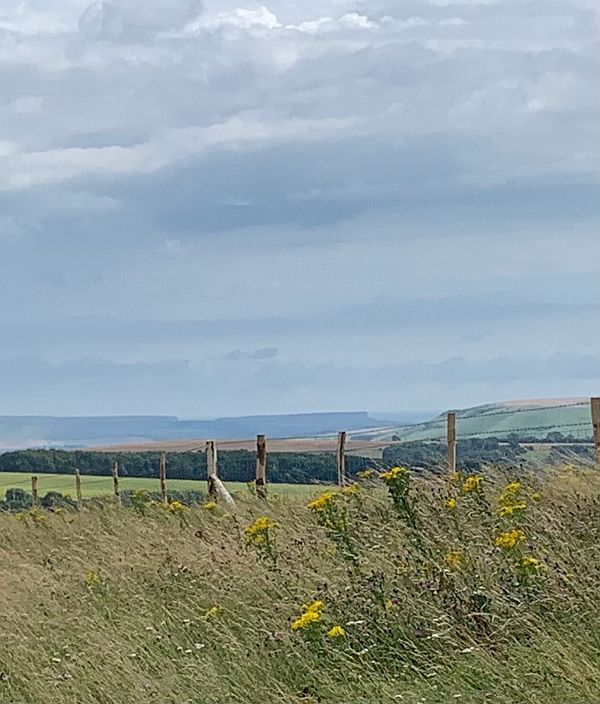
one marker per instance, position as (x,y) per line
(469,321)
(393,84)
(287,187)
(208,388)
(243,356)
(131,20)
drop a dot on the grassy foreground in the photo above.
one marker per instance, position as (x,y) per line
(414,591)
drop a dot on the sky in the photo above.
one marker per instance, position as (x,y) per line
(211,207)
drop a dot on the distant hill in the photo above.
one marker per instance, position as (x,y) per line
(535,417)
(526,418)
(17,432)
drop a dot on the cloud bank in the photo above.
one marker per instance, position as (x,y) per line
(227,207)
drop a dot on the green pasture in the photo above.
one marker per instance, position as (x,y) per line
(97,486)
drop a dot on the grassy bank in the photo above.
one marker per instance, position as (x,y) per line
(427,591)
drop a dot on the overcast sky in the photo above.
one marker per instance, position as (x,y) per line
(216,208)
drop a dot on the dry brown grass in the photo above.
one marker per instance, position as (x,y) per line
(110,606)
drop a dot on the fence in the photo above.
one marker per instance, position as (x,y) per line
(256,468)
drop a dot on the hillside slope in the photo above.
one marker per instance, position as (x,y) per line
(358,600)
(537,417)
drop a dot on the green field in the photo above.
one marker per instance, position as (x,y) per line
(501,420)
(97,486)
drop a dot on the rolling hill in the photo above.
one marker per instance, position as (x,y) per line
(19,432)
(526,418)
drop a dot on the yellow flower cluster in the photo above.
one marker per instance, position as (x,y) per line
(211,613)
(365,473)
(258,532)
(508,540)
(510,509)
(450,504)
(176,507)
(311,613)
(509,501)
(209,506)
(453,559)
(393,473)
(91,579)
(322,502)
(349,490)
(530,564)
(336,632)
(471,484)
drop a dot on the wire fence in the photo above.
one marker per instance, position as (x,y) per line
(358,453)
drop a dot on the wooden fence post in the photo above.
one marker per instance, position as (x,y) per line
(115,475)
(341,458)
(451,441)
(78,489)
(34,492)
(162,475)
(595,403)
(261,467)
(211,469)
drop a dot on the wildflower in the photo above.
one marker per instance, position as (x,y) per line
(349,490)
(393,473)
(397,480)
(211,613)
(508,540)
(311,614)
(332,514)
(322,502)
(306,619)
(91,579)
(530,564)
(510,509)
(509,501)
(176,507)
(365,473)
(471,484)
(535,496)
(209,506)
(336,632)
(450,504)
(453,559)
(258,532)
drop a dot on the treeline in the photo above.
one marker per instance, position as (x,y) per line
(473,454)
(553,437)
(234,465)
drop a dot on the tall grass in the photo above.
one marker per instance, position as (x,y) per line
(414,595)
